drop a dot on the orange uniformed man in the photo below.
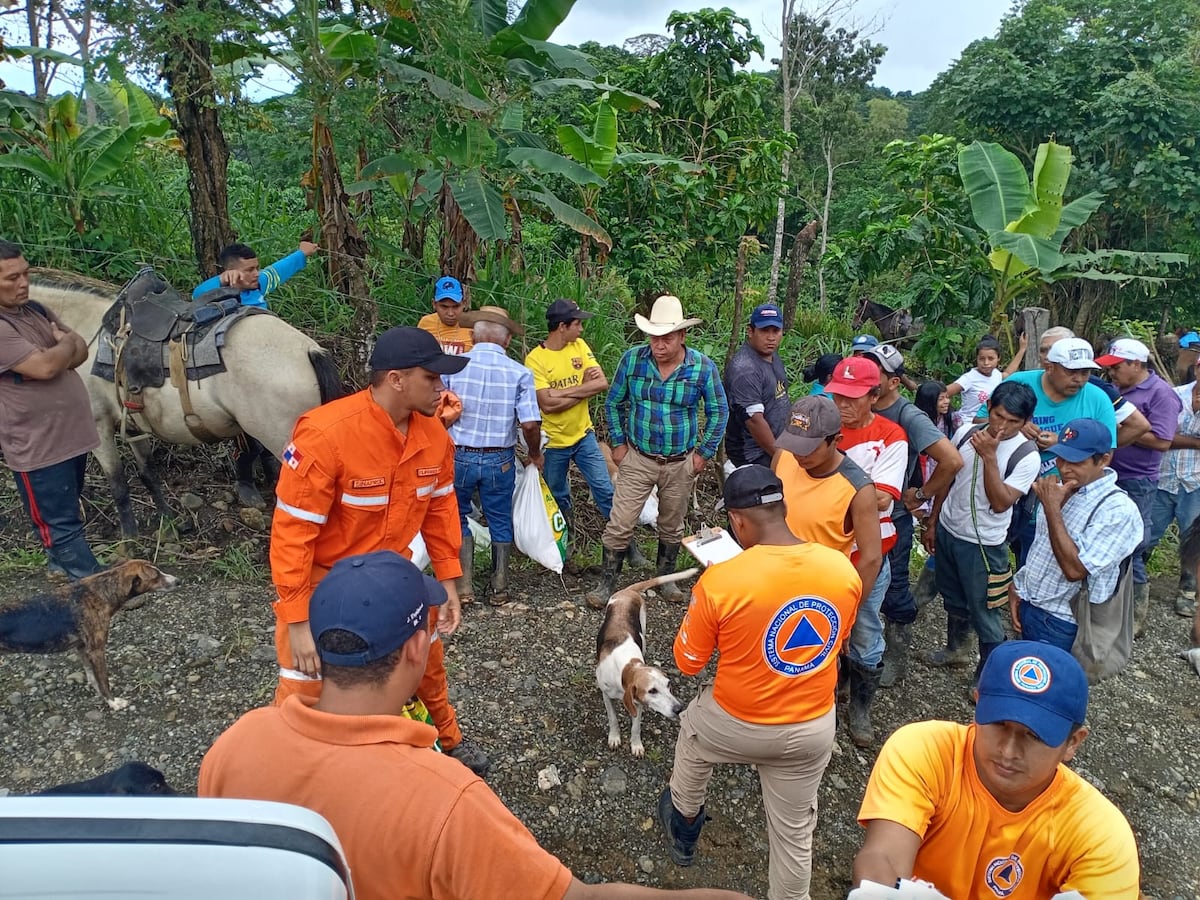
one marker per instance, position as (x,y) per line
(368,472)
(779,614)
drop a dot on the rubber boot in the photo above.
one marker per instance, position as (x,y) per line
(634,556)
(610,567)
(465,585)
(681,833)
(1141,607)
(667,555)
(957,651)
(864,682)
(985,650)
(843,685)
(501,552)
(926,587)
(895,657)
(1185,604)
(570,566)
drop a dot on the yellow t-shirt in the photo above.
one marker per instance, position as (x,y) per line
(563,369)
(455,341)
(1071,838)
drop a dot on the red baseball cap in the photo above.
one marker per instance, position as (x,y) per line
(854,377)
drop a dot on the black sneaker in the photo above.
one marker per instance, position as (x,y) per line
(471,755)
(681,834)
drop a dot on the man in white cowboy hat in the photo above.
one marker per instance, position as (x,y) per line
(497,395)
(653,425)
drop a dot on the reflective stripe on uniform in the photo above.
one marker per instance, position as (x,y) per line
(297,675)
(360,500)
(299,513)
(443,491)
(427,490)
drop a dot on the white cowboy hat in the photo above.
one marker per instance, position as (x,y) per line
(665,317)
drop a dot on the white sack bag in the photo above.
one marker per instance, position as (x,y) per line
(532,531)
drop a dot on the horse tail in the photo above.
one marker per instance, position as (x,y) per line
(329,383)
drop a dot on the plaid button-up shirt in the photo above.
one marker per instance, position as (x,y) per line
(1179,472)
(497,394)
(659,418)
(1113,533)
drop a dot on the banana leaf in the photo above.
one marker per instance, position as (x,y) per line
(547,162)
(575,219)
(996,185)
(481,204)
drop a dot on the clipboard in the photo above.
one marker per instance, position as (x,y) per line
(712,545)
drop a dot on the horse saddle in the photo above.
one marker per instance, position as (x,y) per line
(149,315)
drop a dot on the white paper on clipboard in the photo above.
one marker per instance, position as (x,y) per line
(712,545)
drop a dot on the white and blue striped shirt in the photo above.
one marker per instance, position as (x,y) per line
(497,395)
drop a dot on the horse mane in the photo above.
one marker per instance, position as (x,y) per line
(72,281)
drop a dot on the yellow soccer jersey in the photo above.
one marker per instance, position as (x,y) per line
(563,369)
(1071,838)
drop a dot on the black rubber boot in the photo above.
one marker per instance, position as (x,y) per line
(843,686)
(465,584)
(667,555)
(610,567)
(895,657)
(570,566)
(864,682)
(957,651)
(1141,608)
(501,552)
(985,650)
(634,555)
(681,833)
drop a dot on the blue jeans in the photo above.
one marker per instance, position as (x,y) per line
(899,605)
(1039,625)
(51,499)
(866,637)
(1141,491)
(590,462)
(494,475)
(1183,508)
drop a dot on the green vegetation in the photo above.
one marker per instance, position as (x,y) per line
(428,136)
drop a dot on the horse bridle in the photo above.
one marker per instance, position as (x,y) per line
(862,309)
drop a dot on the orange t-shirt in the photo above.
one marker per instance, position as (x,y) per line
(817,508)
(413,823)
(1071,838)
(779,616)
(455,341)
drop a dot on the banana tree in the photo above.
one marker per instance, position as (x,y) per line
(1028,226)
(78,162)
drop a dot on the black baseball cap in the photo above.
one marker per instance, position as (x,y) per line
(565,311)
(413,348)
(750,486)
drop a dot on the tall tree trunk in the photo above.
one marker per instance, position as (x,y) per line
(801,247)
(459,240)
(739,290)
(827,146)
(41,67)
(187,68)
(1093,299)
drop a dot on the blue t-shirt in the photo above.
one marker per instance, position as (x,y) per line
(1090,403)
(268,280)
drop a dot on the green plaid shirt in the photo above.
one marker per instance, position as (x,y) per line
(659,418)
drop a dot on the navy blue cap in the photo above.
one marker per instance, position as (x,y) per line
(864,342)
(403,347)
(766,315)
(1082,438)
(1038,685)
(381,597)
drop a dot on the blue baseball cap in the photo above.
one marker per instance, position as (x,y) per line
(1082,438)
(448,288)
(380,597)
(1035,684)
(863,343)
(766,315)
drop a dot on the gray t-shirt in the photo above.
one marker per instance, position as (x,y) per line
(921,432)
(754,384)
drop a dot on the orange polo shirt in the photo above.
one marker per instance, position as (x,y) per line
(413,823)
(351,483)
(779,616)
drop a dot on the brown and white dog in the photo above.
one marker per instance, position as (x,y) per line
(77,617)
(621,670)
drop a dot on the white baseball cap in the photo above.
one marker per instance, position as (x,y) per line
(1072,353)
(1125,349)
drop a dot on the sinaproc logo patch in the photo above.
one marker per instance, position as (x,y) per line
(1004,873)
(801,636)
(1030,675)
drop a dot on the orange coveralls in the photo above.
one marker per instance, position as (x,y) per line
(351,483)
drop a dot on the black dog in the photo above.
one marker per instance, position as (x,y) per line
(132,779)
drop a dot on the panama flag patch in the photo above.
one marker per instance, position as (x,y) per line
(292,456)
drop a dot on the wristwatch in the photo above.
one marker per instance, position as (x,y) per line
(920,494)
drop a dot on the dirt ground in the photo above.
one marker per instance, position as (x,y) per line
(194,659)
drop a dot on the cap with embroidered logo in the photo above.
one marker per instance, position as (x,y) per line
(1081,439)
(863,342)
(448,288)
(1036,685)
(562,310)
(1072,353)
(404,347)
(1125,350)
(813,420)
(855,376)
(381,598)
(766,315)
(751,486)
(889,358)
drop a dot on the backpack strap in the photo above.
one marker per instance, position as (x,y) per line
(1017,455)
(1087,523)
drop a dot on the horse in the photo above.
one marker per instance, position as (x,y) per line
(273,374)
(893,324)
